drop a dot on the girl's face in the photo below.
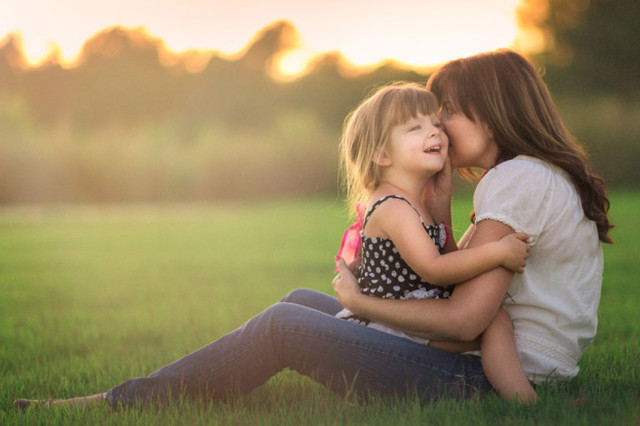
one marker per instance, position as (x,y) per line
(417,146)
(471,142)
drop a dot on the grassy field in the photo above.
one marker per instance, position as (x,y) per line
(91,296)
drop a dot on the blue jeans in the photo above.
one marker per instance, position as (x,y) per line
(301,333)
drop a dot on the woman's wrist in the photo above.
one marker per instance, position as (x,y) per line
(440,212)
(351,301)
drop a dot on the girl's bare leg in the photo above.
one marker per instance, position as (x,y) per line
(23,404)
(500,361)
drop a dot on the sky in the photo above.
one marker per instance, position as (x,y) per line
(418,33)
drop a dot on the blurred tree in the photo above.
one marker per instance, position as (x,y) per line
(120,77)
(591,45)
(12,64)
(123,76)
(239,91)
(11,52)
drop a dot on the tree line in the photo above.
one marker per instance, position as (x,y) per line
(118,124)
(120,77)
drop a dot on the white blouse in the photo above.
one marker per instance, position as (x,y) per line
(554,303)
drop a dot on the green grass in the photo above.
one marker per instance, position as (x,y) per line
(91,296)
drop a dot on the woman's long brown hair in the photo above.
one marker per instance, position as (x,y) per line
(504,91)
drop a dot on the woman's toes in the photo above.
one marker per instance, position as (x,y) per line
(23,404)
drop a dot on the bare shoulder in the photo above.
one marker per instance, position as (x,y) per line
(392,214)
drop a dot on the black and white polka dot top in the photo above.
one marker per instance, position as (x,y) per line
(384,273)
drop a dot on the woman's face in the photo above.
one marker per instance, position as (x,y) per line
(471,143)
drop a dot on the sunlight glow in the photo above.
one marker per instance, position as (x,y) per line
(293,63)
(366,32)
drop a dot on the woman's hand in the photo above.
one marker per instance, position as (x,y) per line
(345,285)
(438,193)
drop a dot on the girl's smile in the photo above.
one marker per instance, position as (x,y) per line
(433,149)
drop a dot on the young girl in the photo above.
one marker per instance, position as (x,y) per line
(392,145)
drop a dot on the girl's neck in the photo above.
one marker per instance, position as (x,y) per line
(413,192)
(411,184)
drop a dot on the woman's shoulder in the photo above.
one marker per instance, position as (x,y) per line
(525,190)
(524,171)
(523,164)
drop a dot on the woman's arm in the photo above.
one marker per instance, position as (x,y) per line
(437,197)
(463,317)
(466,237)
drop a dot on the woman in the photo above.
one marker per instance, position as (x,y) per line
(496,109)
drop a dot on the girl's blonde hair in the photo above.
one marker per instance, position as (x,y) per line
(502,90)
(367,131)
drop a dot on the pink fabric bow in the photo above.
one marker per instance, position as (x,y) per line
(350,244)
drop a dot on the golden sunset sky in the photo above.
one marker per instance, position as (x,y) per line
(418,33)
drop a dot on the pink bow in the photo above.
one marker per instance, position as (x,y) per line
(351,239)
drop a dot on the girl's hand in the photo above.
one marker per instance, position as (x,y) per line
(438,193)
(345,285)
(516,251)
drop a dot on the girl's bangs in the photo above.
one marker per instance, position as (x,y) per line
(407,104)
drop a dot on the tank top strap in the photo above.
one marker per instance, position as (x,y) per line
(382,200)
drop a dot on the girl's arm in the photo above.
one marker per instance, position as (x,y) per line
(400,223)
(462,317)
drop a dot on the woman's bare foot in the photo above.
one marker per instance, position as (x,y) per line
(23,404)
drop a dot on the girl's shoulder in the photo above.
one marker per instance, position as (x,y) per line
(387,203)
(391,209)
(392,202)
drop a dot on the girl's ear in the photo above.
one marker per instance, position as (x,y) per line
(381,157)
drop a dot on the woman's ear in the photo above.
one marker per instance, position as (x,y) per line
(381,157)
(488,130)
